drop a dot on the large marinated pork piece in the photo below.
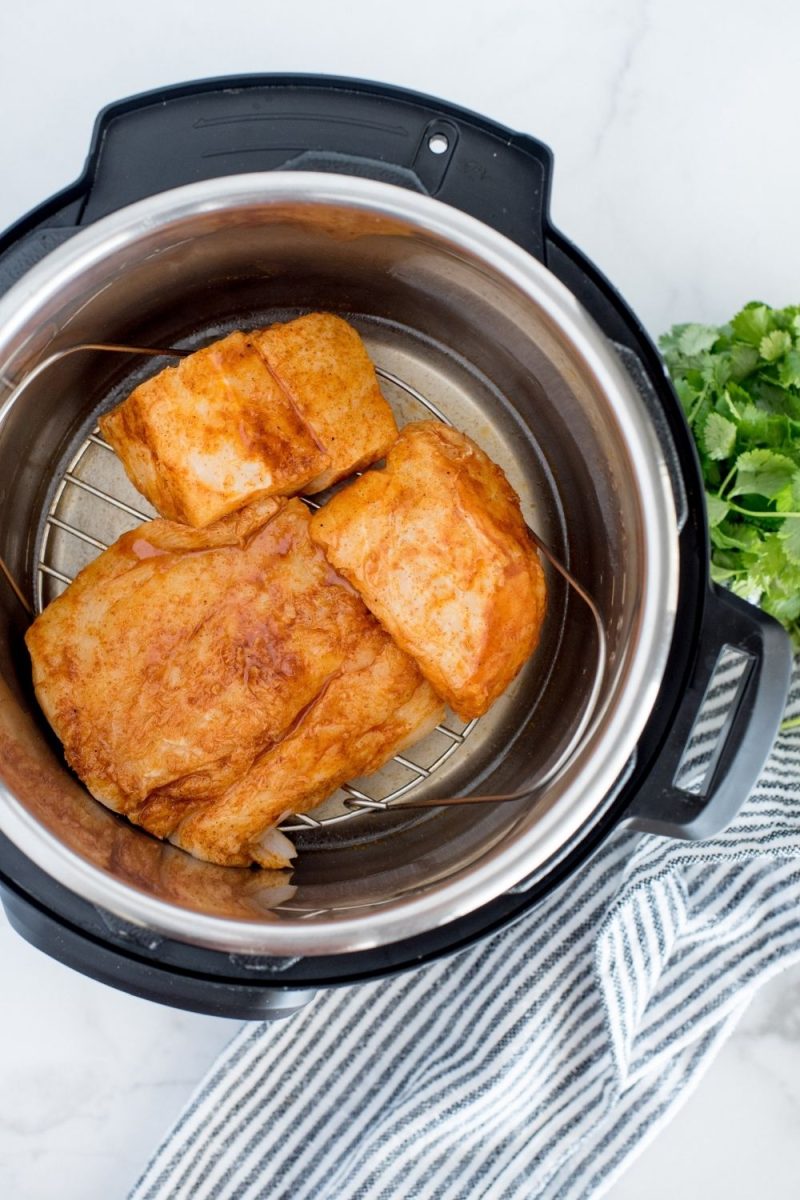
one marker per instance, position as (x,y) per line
(206,682)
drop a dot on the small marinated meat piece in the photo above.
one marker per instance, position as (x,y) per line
(216,432)
(436,545)
(284,410)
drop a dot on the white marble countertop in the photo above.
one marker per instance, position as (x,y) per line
(674,126)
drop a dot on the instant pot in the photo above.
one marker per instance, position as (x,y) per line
(232,203)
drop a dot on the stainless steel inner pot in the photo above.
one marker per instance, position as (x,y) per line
(461,323)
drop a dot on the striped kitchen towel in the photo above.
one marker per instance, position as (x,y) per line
(535,1064)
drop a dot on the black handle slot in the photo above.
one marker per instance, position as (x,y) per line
(725,726)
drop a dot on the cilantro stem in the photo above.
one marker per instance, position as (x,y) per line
(696,405)
(726,481)
(737,415)
(750,512)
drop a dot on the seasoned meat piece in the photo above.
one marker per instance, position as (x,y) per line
(372,709)
(179,658)
(280,411)
(437,546)
(204,438)
(322,363)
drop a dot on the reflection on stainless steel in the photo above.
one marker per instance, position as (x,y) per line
(56,799)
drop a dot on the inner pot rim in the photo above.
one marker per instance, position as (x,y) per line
(582,788)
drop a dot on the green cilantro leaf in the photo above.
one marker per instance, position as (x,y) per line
(717,510)
(762,473)
(761,428)
(784,605)
(695,339)
(742,359)
(730,535)
(722,574)
(774,345)
(790,370)
(719,436)
(752,323)
(790,536)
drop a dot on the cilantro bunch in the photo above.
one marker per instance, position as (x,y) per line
(739,385)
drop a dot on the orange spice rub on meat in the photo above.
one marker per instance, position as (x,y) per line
(288,409)
(323,364)
(206,682)
(437,546)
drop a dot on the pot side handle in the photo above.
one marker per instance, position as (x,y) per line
(712,758)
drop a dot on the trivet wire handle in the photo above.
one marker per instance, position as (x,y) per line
(17,390)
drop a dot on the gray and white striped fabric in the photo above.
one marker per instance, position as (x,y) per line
(535,1064)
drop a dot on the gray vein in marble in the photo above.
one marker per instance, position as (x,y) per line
(640,27)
